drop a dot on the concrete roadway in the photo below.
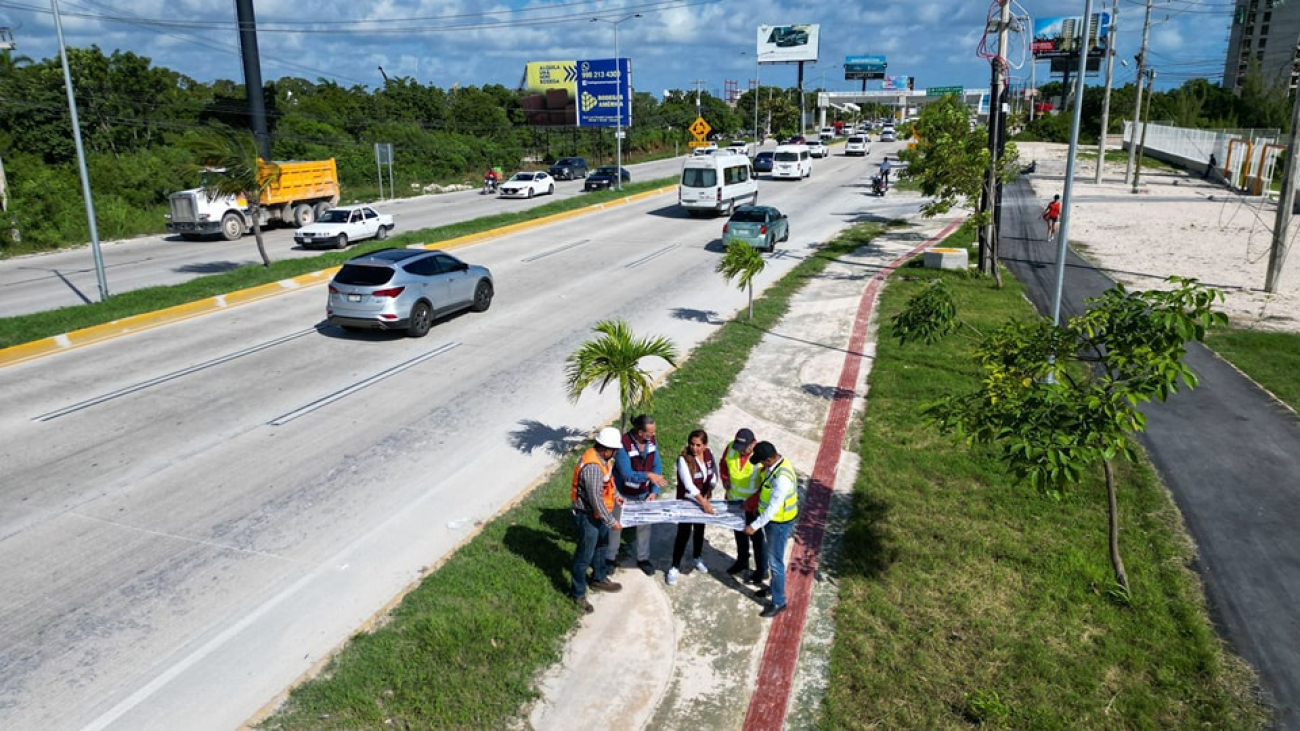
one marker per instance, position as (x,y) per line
(194,516)
(1230,455)
(67,277)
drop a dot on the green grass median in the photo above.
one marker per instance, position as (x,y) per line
(966,599)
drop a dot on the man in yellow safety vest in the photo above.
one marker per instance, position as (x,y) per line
(737,473)
(778,506)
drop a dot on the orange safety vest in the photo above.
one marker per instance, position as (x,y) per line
(606,467)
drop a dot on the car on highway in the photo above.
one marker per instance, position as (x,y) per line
(763,161)
(569,168)
(338,227)
(603,177)
(887,134)
(740,146)
(796,140)
(527,185)
(859,145)
(759,226)
(818,148)
(405,289)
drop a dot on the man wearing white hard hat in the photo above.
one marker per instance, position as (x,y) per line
(593,497)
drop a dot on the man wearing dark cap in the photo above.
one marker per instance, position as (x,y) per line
(738,473)
(778,507)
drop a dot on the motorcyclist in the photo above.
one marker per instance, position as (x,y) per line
(490,180)
(884,171)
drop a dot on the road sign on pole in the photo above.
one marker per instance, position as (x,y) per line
(944,90)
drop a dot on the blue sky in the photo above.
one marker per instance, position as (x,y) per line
(676,44)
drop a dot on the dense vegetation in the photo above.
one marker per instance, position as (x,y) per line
(136,120)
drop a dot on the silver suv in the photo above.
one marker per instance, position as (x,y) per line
(405,289)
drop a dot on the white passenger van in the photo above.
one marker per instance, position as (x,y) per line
(791,161)
(717,183)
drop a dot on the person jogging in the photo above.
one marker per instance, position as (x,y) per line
(1052,214)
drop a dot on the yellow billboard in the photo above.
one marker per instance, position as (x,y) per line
(543,76)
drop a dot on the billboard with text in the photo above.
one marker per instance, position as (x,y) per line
(787,43)
(585,93)
(1063,37)
(857,68)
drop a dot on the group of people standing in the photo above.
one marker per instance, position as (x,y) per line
(627,467)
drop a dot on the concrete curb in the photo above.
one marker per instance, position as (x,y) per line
(145,321)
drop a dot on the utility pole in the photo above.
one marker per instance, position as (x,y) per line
(1105,102)
(1285,200)
(988,262)
(1137,108)
(253,76)
(1142,146)
(699,84)
(7,43)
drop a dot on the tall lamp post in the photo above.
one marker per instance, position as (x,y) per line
(81,157)
(618,118)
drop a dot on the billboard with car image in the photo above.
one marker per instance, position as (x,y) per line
(787,43)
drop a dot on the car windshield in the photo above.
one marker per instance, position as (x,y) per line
(699,177)
(855,140)
(603,170)
(362,275)
(764,156)
(748,216)
(523,176)
(567,161)
(787,156)
(335,215)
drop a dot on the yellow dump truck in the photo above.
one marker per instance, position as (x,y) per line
(304,190)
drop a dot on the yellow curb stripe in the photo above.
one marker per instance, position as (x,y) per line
(149,320)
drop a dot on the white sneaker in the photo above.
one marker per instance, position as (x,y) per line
(671,576)
(700,567)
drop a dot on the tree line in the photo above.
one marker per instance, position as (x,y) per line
(138,122)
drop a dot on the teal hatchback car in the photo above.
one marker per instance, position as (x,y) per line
(759,226)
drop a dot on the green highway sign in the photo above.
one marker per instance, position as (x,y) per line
(944,90)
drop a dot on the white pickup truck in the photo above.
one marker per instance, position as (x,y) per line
(339,226)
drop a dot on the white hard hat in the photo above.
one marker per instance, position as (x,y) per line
(609,438)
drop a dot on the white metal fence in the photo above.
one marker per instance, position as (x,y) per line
(1245,158)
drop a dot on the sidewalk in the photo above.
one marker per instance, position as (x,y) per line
(692,655)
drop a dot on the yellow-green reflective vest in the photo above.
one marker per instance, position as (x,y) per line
(740,472)
(790,508)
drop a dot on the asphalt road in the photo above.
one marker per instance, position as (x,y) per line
(67,277)
(194,516)
(1230,455)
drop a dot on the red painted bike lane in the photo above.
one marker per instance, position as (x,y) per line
(771,699)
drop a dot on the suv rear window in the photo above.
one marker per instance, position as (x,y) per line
(361,275)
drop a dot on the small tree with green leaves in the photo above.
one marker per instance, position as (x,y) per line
(1055,401)
(615,357)
(228,164)
(742,263)
(950,161)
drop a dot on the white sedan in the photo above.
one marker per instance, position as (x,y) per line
(339,226)
(817,148)
(527,185)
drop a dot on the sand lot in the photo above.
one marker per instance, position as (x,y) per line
(1176,225)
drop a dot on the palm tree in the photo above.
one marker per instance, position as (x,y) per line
(229,165)
(742,262)
(616,356)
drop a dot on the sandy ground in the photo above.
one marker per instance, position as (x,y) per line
(1177,225)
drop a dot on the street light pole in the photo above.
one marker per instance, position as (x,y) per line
(81,158)
(618,118)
